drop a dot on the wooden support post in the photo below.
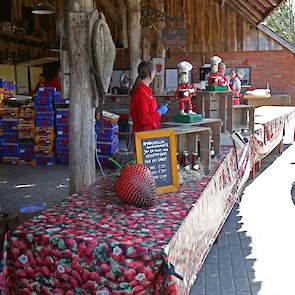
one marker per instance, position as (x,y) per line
(253,172)
(159,81)
(134,36)
(81,125)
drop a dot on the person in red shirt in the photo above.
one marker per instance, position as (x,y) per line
(54,82)
(144,110)
(41,83)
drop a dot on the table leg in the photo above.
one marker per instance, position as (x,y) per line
(204,150)
(251,119)
(229,113)
(222,112)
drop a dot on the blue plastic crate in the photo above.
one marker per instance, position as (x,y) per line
(46,91)
(39,105)
(61,101)
(63,112)
(48,114)
(44,122)
(107,134)
(9,125)
(62,158)
(44,100)
(61,119)
(107,148)
(47,161)
(61,143)
(42,109)
(11,149)
(9,137)
(62,129)
(26,151)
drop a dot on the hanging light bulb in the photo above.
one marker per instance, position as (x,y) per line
(43,7)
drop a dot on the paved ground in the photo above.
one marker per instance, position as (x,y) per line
(255,251)
(230,266)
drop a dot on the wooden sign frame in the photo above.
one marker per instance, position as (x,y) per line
(161,133)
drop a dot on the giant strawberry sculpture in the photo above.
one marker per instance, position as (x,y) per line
(136,186)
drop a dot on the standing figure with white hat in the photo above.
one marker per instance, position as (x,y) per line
(185,90)
(214,76)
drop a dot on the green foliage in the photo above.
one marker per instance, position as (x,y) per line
(282,21)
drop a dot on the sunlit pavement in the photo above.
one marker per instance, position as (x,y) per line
(255,253)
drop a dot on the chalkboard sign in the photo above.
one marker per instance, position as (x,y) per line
(156,149)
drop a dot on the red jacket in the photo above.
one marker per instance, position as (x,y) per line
(143,109)
(221,80)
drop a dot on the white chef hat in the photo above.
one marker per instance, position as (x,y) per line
(184,67)
(215,60)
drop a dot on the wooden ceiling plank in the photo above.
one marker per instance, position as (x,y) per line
(250,8)
(245,15)
(111,10)
(258,5)
(266,4)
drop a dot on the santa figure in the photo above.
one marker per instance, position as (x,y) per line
(185,90)
(217,75)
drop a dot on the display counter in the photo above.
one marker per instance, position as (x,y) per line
(273,100)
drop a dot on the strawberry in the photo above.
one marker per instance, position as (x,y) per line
(70,292)
(74,283)
(76,266)
(136,185)
(85,275)
(31,259)
(26,291)
(45,271)
(137,289)
(90,285)
(48,261)
(15,253)
(20,273)
(68,254)
(30,272)
(77,276)
(105,267)
(57,253)
(94,276)
(81,249)
(130,274)
(70,243)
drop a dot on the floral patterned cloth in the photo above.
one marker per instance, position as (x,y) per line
(93,244)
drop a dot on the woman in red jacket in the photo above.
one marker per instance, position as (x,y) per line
(144,111)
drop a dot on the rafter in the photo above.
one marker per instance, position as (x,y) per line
(248,7)
(244,14)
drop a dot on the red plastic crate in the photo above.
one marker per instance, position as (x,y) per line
(62,129)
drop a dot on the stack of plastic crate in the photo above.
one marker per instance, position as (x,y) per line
(26,135)
(9,147)
(62,129)
(44,126)
(107,129)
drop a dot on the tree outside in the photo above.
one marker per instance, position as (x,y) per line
(282,21)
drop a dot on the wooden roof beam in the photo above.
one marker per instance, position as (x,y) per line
(250,8)
(267,4)
(111,10)
(245,15)
(258,5)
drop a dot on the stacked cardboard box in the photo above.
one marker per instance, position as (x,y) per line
(9,147)
(107,129)
(44,126)
(62,128)
(26,135)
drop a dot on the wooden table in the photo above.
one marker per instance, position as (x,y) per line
(216,105)
(243,117)
(187,139)
(214,124)
(273,100)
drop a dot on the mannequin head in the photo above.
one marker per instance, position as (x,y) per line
(183,78)
(221,68)
(214,68)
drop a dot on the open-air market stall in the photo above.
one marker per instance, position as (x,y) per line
(92,242)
